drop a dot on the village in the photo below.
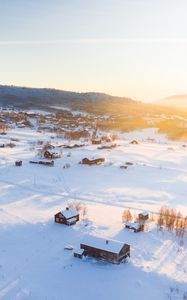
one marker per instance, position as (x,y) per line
(74,201)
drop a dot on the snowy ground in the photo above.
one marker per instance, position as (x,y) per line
(33,262)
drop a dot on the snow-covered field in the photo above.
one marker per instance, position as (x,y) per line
(33,262)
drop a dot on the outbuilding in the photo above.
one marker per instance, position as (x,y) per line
(18,163)
(134,226)
(68,216)
(143,216)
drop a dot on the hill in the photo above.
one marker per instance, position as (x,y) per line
(26,98)
(176,100)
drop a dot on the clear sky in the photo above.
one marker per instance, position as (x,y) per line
(134,48)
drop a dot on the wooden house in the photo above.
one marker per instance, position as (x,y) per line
(49,155)
(41,162)
(109,250)
(97,161)
(144,216)
(68,216)
(134,142)
(134,226)
(18,163)
(96,142)
(107,146)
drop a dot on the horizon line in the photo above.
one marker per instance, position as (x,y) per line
(92,41)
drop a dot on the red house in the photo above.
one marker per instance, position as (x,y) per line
(109,250)
(68,216)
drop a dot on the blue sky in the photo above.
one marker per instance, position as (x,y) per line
(134,48)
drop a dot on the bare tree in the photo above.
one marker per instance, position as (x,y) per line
(127,216)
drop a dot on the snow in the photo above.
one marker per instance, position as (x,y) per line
(134,225)
(103,244)
(144,213)
(69,212)
(33,262)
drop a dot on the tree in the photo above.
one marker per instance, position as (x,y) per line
(127,216)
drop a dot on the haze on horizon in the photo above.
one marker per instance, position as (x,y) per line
(130,48)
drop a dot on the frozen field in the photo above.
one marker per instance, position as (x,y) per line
(33,262)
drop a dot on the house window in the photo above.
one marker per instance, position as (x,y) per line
(57,219)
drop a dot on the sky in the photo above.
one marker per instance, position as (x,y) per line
(131,48)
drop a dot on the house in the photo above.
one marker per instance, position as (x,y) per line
(97,161)
(135,226)
(134,142)
(68,216)
(144,216)
(109,250)
(123,167)
(49,155)
(107,146)
(96,142)
(18,163)
(45,163)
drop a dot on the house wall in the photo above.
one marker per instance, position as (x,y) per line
(100,254)
(60,219)
(125,252)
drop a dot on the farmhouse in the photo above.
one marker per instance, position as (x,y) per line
(97,161)
(144,216)
(107,146)
(134,142)
(45,163)
(96,142)
(135,226)
(18,163)
(110,250)
(49,155)
(69,216)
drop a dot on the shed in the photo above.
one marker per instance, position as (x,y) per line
(109,250)
(134,142)
(107,146)
(68,216)
(45,163)
(96,142)
(135,226)
(97,161)
(18,163)
(49,155)
(143,216)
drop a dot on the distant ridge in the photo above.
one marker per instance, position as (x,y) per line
(176,101)
(24,97)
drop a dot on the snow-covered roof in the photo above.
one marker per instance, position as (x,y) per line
(72,219)
(103,244)
(135,225)
(144,213)
(69,212)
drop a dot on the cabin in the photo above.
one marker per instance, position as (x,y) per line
(107,146)
(134,226)
(134,142)
(18,163)
(129,163)
(123,167)
(103,249)
(97,161)
(96,142)
(144,216)
(73,146)
(68,216)
(45,163)
(49,155)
